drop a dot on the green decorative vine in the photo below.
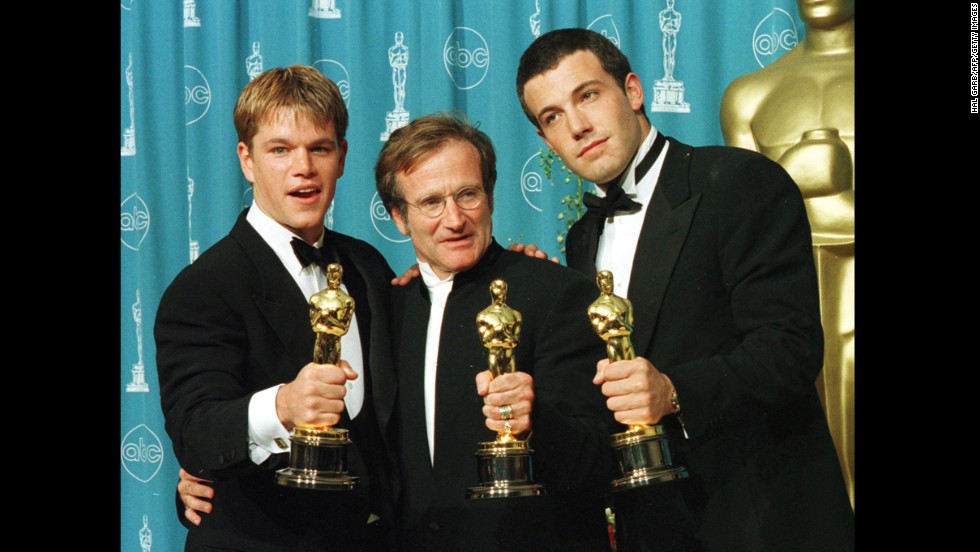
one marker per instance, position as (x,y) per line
(574,209)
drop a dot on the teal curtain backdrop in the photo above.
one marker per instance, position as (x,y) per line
(183,63)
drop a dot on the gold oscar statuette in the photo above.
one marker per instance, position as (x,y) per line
(318,455)
(642,452)
(503,465)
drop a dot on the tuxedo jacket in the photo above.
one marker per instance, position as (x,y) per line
(725,302)
(234,322)
(570,456)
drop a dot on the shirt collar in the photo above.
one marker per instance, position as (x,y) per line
(628,179)
(278,237)
(438,289)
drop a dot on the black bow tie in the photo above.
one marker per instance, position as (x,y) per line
(615,200)
(307,254)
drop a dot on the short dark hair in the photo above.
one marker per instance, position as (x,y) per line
(411,144)
(299,88)
(547,51)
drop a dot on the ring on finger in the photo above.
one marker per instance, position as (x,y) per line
(506,412)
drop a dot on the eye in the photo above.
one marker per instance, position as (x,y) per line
(550,118)
(588,95)
(430,201)
(279,150)
(320,149)
(468,194)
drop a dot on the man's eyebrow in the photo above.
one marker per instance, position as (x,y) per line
(283,140)
(577,90)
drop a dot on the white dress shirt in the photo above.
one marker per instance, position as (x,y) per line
(438,293)
(617,244)
(266,434)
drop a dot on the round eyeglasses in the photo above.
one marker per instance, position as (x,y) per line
(467,198)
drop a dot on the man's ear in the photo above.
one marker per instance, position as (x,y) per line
(245,159)
(547,143)
(342,152)
(400,222)
(634,91)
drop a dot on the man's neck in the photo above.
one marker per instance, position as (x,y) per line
(317,240)
(430,277)
(646,129)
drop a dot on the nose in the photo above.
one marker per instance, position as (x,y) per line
(578,123)
(302,162)
(452,215)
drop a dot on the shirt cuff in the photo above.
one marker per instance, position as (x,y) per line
(266,434)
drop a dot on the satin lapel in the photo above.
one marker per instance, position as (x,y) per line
(410,357)
(461,356)
(583,243)
(281,302)
(383,382)
(662,237)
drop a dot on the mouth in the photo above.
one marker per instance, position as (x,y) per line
(457,240)
(591,146)
(305,192)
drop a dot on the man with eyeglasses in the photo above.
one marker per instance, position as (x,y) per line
(436,178)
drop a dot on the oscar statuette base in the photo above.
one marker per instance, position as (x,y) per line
(318,460)
(668,96)
(504,471)
(643,458)
(394,120)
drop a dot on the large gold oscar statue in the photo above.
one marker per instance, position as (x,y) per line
(799,111)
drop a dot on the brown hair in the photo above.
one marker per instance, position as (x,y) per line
(299,88)
(411,144)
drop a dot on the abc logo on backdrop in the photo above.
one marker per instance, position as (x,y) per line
(466,57)
(141,453)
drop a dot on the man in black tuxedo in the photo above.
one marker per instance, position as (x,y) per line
(234,340)
(436,177)
(712,246)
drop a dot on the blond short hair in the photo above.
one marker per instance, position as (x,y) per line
(297,88)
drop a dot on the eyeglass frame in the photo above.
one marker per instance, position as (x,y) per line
(481,195)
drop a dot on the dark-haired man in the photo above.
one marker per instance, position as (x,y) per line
(712,247)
